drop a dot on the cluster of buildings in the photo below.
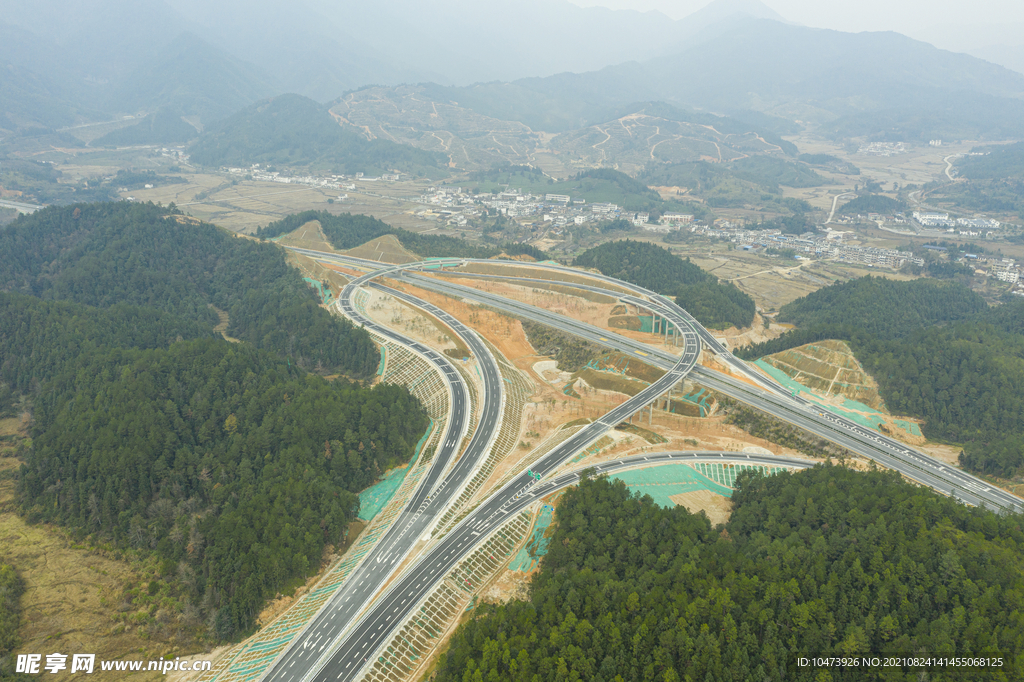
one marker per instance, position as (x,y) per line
(809,244)
(967,227)
(1005,270)
(334,181)
(178,154)
(457,206)
(883,149)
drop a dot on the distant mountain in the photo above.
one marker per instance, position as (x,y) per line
(720,11)
(104,49)
(164,126)
(296,131)
(191,76)
(547,64)
(36,90)
(882,84)
(497,124)
(772,64)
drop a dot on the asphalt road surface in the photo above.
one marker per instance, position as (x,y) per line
(771,398)
(428,502)
(352,649)
(377,624)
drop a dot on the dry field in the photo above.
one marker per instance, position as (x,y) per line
(244,205)
(72,591)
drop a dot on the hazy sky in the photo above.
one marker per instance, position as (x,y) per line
(951,24)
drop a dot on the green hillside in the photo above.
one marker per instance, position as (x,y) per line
(753,181)
(998,163)
(154,435)
(292,130)
(829,560)
(873,203)
(347,231)
(138,254)
(201,453)
(884,307)
(937,351)
(712,303)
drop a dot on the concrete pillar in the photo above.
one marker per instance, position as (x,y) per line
(650,414)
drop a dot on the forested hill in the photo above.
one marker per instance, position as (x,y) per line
(229,464)
(872,203)
(884,307)
(827,560)
(296,131)
(997,163)
(347,231)
(937,351)
(712,303)
(140,254)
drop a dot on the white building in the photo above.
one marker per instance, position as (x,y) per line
(677,218)
(640,219)
(933,219)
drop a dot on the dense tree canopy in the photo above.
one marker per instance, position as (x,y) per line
(884,307)
(995,163)
(872,203)
(140,254)
(213,454)
(228,461)
(937,352)
(40,339)
(827,561)
(11,589)
(713,303)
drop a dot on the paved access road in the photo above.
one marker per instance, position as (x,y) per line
(768,397)
(351,652)
(353,646)
(428,502)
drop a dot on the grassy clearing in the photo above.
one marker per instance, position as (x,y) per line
(72,601)
(75,596)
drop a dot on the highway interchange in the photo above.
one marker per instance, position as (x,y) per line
(341,641)
(428,501)
(310,656)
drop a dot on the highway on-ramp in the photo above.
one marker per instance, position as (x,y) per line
(389,612)
(768,397)
(428,502)
(353,649)
(353,644)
